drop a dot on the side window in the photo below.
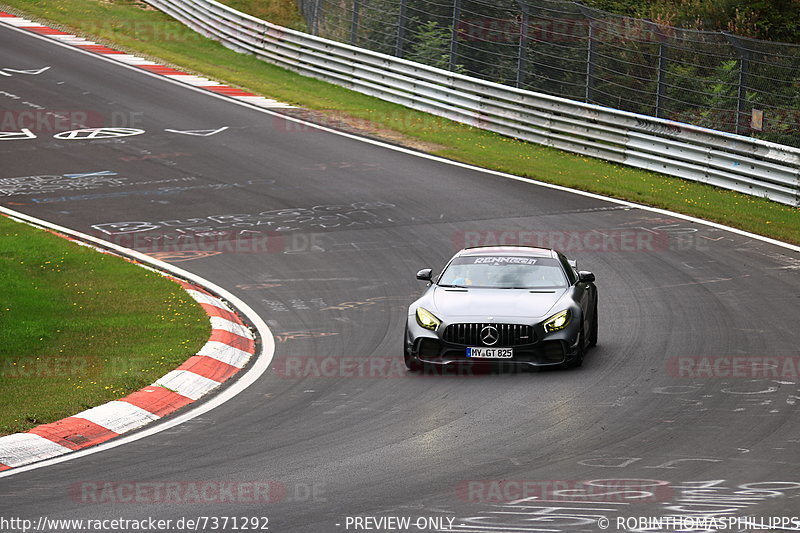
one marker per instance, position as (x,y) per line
(571,274)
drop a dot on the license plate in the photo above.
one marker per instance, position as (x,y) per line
(491,353)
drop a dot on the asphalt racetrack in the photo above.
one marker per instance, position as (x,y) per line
(322,234)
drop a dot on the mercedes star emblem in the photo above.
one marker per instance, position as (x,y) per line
(489,335)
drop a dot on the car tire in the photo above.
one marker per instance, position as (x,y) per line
(593,333)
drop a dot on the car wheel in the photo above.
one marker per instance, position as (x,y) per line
(593,333)
(411,363)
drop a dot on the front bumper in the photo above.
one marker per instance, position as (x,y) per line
(548,349)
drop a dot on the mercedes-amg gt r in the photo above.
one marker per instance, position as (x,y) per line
(515,305)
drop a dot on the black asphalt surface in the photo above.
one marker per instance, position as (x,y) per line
(330,232)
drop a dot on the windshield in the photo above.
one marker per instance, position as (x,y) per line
(504,272)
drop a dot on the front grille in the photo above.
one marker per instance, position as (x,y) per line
(470,334)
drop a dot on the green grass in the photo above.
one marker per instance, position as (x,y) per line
(79,328)
(145,31)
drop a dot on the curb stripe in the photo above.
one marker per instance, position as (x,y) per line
(44,30)
(231,339)
(208,367)
(99,48)
(23,448)
(230,91)
(194,289)
(204,298)
(74,433)
(213,310)
(117,416)
(157,400)
(187,383)
(231,327)
(225,353)
(161,69)
(14,20)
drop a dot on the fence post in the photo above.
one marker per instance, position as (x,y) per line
(661,81)
(744,66)
(522,55)
(590,52)
(590,58)
(315,17)
(454,34)
(401,29)
(354,23)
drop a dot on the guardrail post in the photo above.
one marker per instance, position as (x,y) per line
(744,66)
(401,29)
(796,184)
(454,34)
(354,22)
(522,55)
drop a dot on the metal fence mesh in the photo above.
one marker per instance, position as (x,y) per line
(565,49)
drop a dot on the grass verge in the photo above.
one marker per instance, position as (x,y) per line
(131,25)
(79,328)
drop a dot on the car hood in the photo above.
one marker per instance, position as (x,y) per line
(498,303)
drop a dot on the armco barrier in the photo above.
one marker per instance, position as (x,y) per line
(743,164)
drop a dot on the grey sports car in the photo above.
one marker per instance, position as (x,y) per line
(515,305)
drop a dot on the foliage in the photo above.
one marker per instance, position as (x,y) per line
(432,45)
(278,12)
(772,20)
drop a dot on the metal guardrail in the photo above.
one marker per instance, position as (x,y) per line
(565,48)
(730,161)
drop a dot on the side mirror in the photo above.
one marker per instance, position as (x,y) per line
(585,276)
(425,274)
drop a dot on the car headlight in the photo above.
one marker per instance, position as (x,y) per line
(558,321)
(426,319)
